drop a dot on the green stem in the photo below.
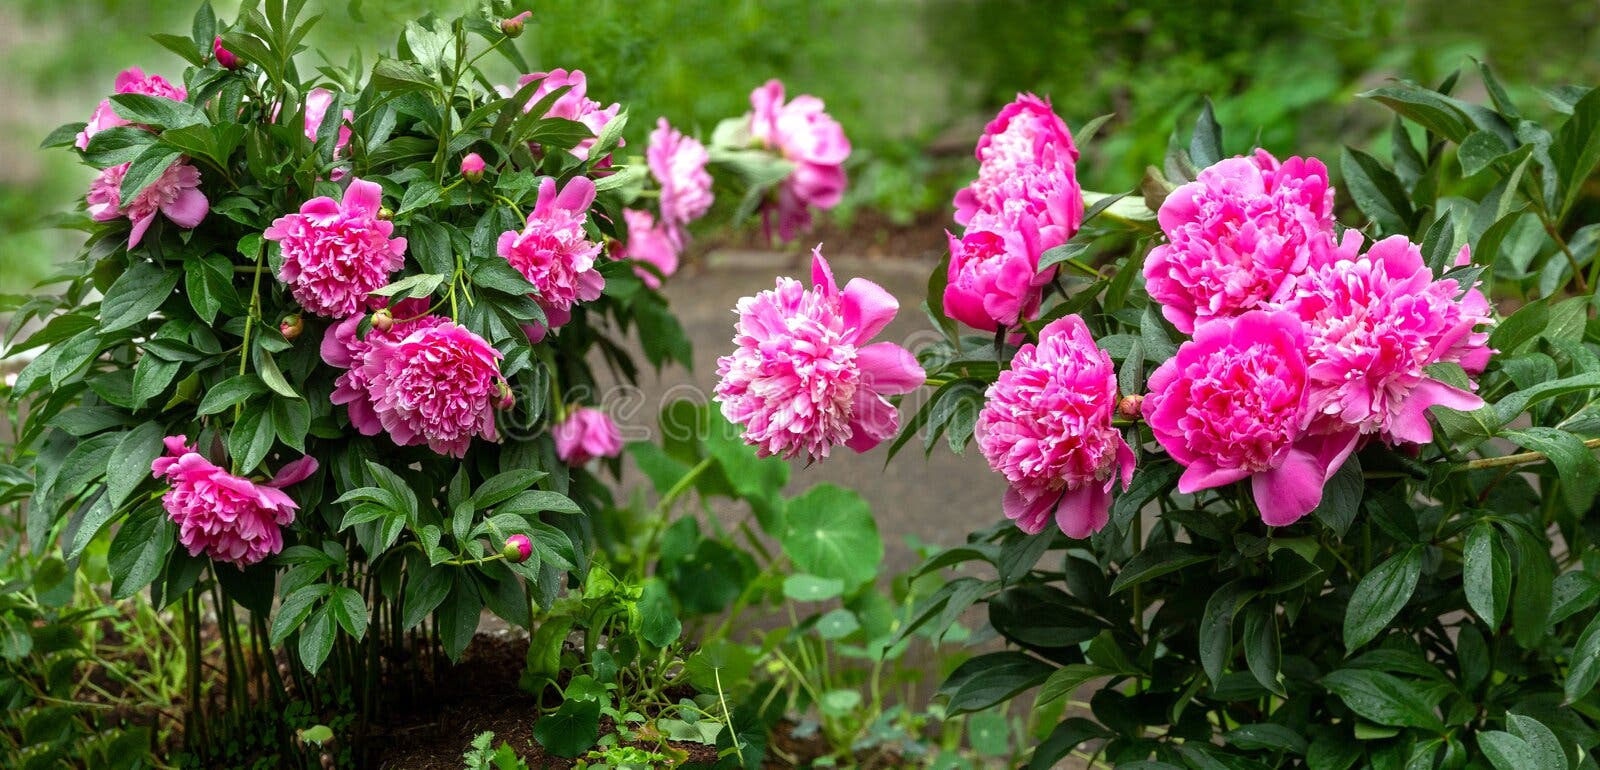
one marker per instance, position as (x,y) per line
(1521,458)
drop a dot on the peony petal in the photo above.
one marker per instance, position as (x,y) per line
(577,195)
(188,208)
(1291,490)
(294,472)
(1411,423)
(1203,474)
(867,309)
(1083,511)
(363,196)
(1028,514)
(140,225)
(821,272)
(889,369)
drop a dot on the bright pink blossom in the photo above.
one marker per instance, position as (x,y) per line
(225,517)
(1027,159)
(437,386)
(1046,427)
(343,347)
(575,104)
(472,167)
(317,103)
(656,244)
(994,279)
(518,549)
(1237,235)
(585,434)
(335,253)
(1234,404)
(805,135)
(678,164)
(175,195)
(553,252)
(226,59)
(804,378)
(1374,323)
(129,81)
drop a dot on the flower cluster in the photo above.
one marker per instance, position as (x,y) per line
(804,377)
(1025,201)
(678,164)
(802,133)
(175,195)
(225,517)
(336,253)
(554,253)
(130,81)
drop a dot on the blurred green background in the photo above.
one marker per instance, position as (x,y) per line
(913,81)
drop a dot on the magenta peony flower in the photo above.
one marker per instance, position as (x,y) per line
(437,386)
(1233,403)
(344,348)
(553,252)
(226,59)
(805,135)
(1046,427)
(317,103)
(678,163)
(1026,154)
(994,278)
(575,104)
(518,549)
(585,434)
(803,377)
(1374,323)
(336,253)
(227,518)
(648,242)
(175,194)
(130,81)
(1237,235)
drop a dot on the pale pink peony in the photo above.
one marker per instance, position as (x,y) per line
(554,253)
(1237,235)
(1233,403)
(343,347)
(1026,156)
(225,517)
(130,81)
(575,104)
(317,103)
(1046,427)
(803,377)
(585,434)
(1374,323)
(437,386)
(656,244)
(175,195)
(335,253)
(805,135)
(994,279)
(678,164)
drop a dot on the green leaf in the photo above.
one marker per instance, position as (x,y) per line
(1205,146)
(419,285)
(504,486)
(1067,679)
(658,623)
(316,638)
(1156,560)
(1439,248)
(1516,403)
(145,170)
(250,439)
(350,611)
(810,588)
(1266,736)
(1062,740)
(396,75)
(136,295)
(1216,627)
(1506,751)
(131,461)
(1341,497)
(1383,698)
(138,552)
(1261,648)
(294,610)
(1576,150)
(1575,464)
(156,111)
(1429,109)
(992,678)
(829,532)
(1584,669)
(1376,191)
(425,591)
(837,624)
(117,145)
(267,369)
(1486,573)
(229,392)
(570,730)
(1380,596)
(1543,745)
(1479,151)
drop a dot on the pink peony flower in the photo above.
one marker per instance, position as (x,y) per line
(1026,153)
(994,278)
(344,348)
(803,377)
(317,103)
(226,59)
(1236,235)
(649,242)
(227,518)
(129,81)
(472,167)
(585,434)
(436,386)
(1046,427)
(336,253)
(553,252)
(1374,323)
(175,194)
(1233,403)
(678,163)
(575,104)
(805,135)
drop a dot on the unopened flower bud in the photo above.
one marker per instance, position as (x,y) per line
(513,26)
(1129,406)
(382,320)
(506,398)
(517,549)
(291,326)
(385,213)
(225,57)
(472,167)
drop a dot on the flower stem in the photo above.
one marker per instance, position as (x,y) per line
(1521,458)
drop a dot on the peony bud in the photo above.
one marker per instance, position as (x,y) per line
(1129,406)
(382,320)
(291,326)
(513,26)
(472,167)
(385,213)
(225,57)
(517,549)
(507,399)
